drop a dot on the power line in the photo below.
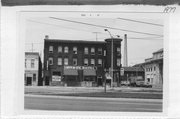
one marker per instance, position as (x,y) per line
(105,26)
(141,22)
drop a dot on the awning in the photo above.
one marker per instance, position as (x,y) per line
(89,72)
(70,72)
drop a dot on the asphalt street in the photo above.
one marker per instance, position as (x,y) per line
(67,103)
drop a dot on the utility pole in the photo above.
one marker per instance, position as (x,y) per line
(96,35)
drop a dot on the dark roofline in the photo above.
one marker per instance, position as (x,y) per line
(73,41)
(160,50)
(32,53)
(138,69)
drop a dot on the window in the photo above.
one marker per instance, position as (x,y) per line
(74,50)
(99,51)
(118,62)
(118,51)
(66,49)
(85,62)
(100,62)
(25,63)
(92,62)
(104,52)
(50,49)
(59,61)
(86,50)
(60,49)
(32,63)
(34,77)
(50,61)
(74,61)
(92,51)
(154,68)
(65,61)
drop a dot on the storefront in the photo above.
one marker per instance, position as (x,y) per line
(70,77)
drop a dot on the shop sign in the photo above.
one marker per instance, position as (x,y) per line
(56,78)
(80,67)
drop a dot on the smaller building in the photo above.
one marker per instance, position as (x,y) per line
(33,69)
(154,69)
(129,72)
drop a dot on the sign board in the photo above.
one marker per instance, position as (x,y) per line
(107,75)
(122,71)
(80,67)
(56,78)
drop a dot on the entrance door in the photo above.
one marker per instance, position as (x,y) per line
(100,82)
(29,81)
(47,81)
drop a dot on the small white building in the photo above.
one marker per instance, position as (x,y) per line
(32,68)
(154,69)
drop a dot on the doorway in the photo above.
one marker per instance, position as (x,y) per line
(29,81)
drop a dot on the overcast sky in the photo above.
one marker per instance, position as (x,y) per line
(140,46)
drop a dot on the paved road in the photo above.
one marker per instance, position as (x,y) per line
(91,104)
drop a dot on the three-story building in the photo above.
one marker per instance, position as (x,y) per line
(80,63)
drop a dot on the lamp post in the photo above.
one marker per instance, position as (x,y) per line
(112,73)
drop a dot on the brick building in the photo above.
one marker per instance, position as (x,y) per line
(80,63)
(33,69)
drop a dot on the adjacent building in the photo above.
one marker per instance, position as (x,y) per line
(154,69)
(80,63)
(33,69)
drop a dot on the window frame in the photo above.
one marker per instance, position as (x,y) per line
(86,59)
(93,61)
(100,60)
(60,51)
(65,61)
(51,48)
(66,49)
(118,62)
(86,52)
(75,50)
(50,59)
(92,53)
(100,51)
(59,63)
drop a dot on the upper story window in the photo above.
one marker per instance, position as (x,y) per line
(59,61)
(66,49)
(86,50)
(32,63)
(154,68)
(118,51)
(50,49)
(118,62)
(86,62)
(66,61)
(74,50)
(74,61)
(100,62)
(104,52)
(92,51)
(99,51)
(60,49)
(50,60)
(92,62)
(25,63)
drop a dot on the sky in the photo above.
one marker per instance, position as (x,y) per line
(140,45)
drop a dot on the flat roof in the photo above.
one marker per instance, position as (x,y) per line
(74,41)
(133,69)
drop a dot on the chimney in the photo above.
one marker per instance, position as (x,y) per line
(125,51)
(46,37)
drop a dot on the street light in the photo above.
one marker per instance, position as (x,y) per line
(112,73)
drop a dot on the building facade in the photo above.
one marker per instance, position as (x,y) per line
(154,69)
(80,63)
(33,69)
